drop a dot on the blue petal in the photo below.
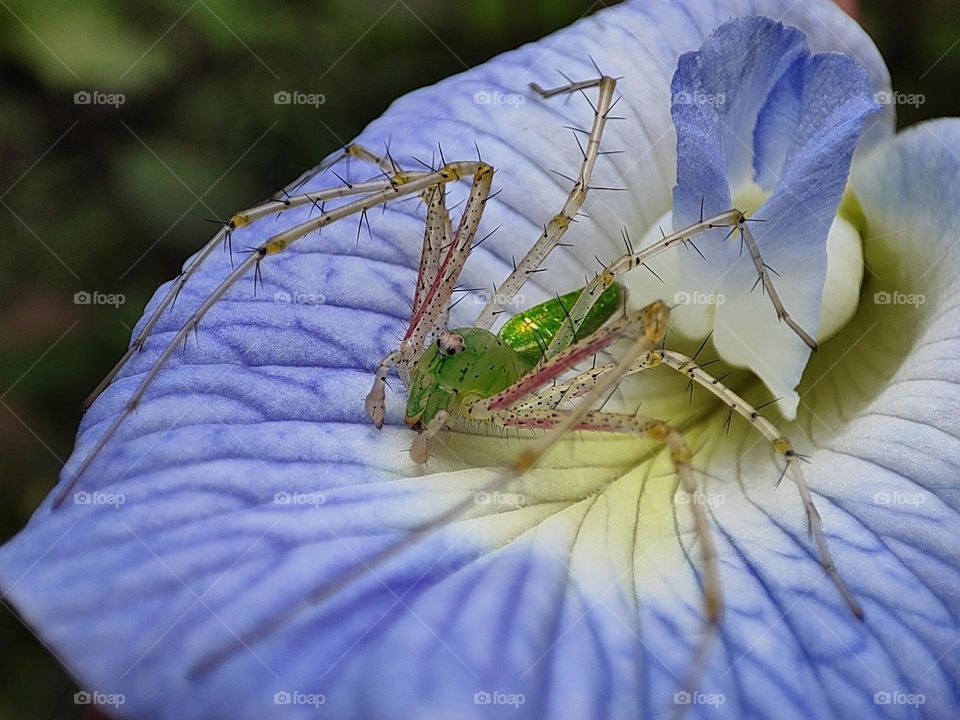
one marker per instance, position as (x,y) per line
(820,105)
(790,121)
(718,93)
(549,600)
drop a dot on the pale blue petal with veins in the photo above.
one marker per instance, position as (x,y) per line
(581,600)
(754,106)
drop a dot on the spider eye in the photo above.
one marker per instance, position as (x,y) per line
(450,344)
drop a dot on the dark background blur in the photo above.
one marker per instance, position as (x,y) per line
(111,199)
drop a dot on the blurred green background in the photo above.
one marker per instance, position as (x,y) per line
(111,199)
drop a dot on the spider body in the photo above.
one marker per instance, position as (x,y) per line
(471,363)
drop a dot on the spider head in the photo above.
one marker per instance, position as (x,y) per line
(460,364)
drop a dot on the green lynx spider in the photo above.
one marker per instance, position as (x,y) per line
(431,357)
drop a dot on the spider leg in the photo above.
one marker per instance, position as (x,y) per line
(594,289)
(441,262)
(554,231)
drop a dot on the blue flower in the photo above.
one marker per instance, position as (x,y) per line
(249,476)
